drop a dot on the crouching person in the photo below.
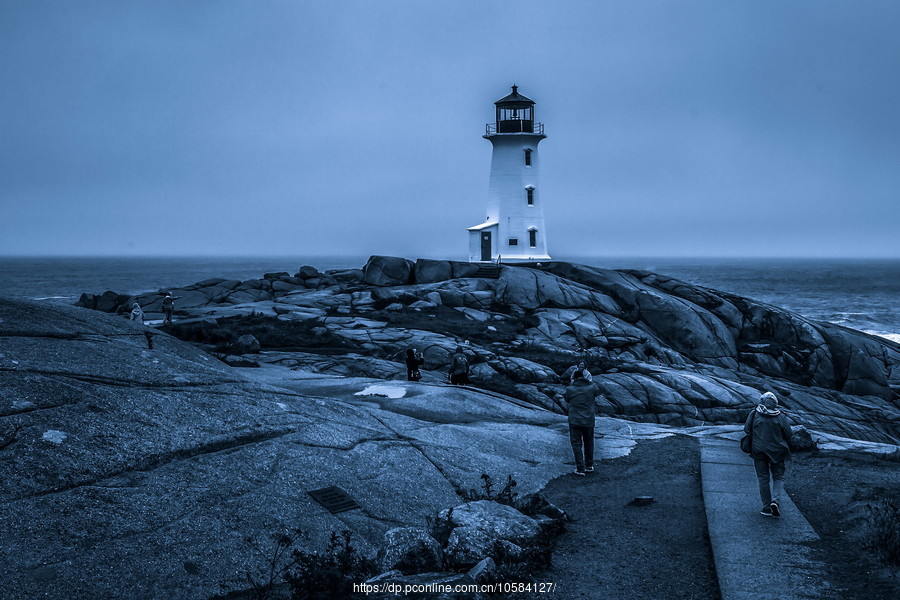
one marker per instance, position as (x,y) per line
(582,413)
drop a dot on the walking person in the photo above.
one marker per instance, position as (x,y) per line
(168,306)
(582,413)
(459,367)
(770,434)
(414,360)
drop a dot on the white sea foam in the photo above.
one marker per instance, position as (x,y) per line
(894,337)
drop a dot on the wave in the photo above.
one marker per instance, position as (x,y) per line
(894,337)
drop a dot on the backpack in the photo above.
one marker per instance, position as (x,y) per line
(747,440)
(460,364)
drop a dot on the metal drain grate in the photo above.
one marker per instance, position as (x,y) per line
(334,499)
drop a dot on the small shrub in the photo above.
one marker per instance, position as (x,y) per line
(330,574)
(440,528)
(881,531)
(504,496)
(276,563)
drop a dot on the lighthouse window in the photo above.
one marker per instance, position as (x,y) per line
(530,193)
(532,237)
(528,158)
(513,241)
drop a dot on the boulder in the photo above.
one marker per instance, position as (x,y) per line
(307,272)
(387,271)
(87,301)
(411,550)
(246,344)
(285,286)
(430,271)
(469,545)
(347,275)
(801,439)
(276,276)
(501,521)
(108,301)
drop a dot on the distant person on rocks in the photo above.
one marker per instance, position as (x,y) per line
(137,314)
(168,306)
(459,367)
(414,360)
(569,376)
(770,434)
(580,396)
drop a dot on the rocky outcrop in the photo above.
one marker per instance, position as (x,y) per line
(663,350)
(477,526)
(121,466)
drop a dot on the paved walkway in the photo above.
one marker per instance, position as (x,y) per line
(756,557)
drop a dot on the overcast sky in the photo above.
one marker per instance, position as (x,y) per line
(720,128)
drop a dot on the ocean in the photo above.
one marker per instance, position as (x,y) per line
(862,294)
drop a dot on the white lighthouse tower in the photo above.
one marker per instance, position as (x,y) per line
(514,228)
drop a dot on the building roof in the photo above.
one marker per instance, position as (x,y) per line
(484,225)
(514,98)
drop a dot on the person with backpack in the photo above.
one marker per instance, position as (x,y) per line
(414,360)
(769,436)
(580,397)
(459,367)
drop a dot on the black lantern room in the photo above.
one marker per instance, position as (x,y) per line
(515,113)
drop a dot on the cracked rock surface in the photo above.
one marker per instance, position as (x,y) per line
(664,351)
(136,472)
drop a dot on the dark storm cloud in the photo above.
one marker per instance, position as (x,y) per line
(691,128)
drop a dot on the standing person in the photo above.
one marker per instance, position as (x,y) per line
(569,376)
(459,367)
(137,314)
(168,306)
(414,360)
(582,413)
(770,434)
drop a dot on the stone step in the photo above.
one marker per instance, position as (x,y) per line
(756,557)
(490,271)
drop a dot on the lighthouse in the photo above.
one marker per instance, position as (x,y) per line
(513,230)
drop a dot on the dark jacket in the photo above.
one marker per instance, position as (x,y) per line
(414,362)
(459,364)
(580,398)
(771,435)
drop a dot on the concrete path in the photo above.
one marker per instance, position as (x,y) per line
(756,557)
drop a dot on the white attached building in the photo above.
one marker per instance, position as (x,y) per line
(514,228)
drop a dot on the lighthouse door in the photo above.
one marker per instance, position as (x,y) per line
(486,245)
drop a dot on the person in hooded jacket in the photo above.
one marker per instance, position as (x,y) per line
(769,448)
(582,413)
(459,367)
